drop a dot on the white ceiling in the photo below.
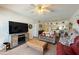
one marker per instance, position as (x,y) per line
(60,11)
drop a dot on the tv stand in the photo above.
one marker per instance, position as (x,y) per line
(16,39)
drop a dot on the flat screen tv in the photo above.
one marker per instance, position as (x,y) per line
(16,27)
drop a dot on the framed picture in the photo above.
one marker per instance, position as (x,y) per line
(30,26)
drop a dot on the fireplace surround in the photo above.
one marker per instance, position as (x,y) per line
(18,39)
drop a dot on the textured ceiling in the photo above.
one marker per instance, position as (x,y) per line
(59,11)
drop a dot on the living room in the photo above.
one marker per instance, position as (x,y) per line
(25,21)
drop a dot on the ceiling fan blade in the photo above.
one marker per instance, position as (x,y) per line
(56,10)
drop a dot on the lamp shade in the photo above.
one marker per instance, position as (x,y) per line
(77,21)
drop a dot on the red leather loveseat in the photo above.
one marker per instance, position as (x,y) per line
(75,46)
(73,49)
(63,50)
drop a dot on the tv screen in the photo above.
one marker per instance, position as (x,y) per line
(16,27)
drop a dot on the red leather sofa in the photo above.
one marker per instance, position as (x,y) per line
(73,49)
(75,46)
(63,50)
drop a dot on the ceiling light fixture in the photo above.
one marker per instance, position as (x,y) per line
(41,8)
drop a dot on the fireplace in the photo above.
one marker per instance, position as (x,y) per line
(18,39)
(21,39)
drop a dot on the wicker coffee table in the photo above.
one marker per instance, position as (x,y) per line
(38,45)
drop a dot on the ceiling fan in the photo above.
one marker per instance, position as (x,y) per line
(44,8)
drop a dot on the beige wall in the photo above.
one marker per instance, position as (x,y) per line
(74,19)
(47,26)
(6,16)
